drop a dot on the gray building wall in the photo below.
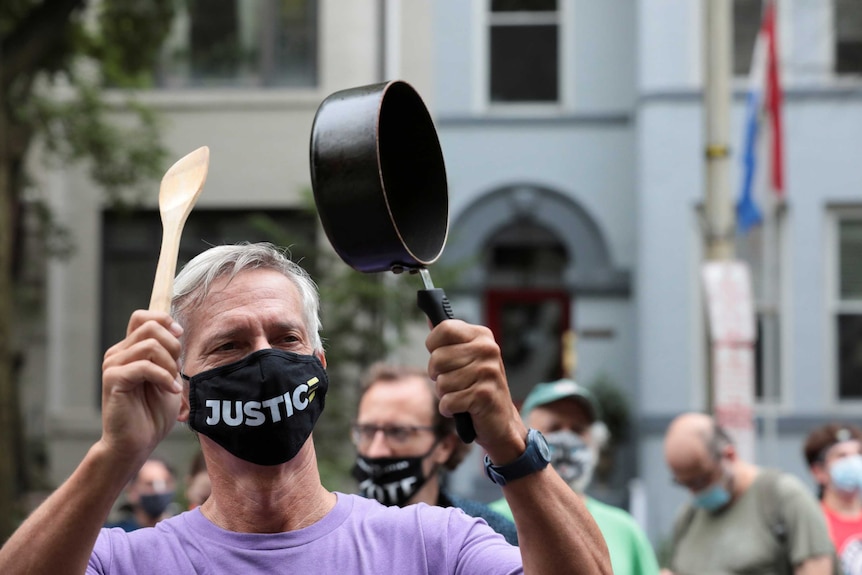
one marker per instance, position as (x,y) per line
(821,120)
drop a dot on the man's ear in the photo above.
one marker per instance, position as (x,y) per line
(185,407)
(445,448)
(819,472)
(729,451)
(321,356)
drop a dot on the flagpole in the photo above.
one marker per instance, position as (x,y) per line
(720,221)
(772,234)
(719,216)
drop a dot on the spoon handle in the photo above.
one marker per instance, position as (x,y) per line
(163,285)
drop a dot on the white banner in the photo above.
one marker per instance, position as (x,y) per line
(732,332)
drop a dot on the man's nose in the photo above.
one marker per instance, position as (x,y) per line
(261,342)
(378,447)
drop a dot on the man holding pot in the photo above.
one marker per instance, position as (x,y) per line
(241,361)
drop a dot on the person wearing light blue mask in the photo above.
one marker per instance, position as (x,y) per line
(834,456)
(742,519)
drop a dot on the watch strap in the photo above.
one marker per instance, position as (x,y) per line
(535,458)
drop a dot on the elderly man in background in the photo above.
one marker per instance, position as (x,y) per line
(742,519)
(567,414)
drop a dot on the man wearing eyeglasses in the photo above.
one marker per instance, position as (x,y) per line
(742,519)
(404,445)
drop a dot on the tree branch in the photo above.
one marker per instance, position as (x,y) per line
(33,39)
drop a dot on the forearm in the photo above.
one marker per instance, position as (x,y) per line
(821,565)
(59,535)
(556,533)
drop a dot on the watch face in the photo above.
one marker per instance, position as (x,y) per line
(542,445)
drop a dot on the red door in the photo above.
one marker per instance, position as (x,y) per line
(529,326)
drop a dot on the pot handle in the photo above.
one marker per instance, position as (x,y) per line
(436,306)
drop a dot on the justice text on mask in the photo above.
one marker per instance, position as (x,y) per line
(254,413)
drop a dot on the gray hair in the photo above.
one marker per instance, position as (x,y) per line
(193,283)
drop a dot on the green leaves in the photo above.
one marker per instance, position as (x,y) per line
(129,38)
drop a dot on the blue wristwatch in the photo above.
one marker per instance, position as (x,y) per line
(535,458)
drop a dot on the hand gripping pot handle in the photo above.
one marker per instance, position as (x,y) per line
(435,305)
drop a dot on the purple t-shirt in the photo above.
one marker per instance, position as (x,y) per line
(358,536)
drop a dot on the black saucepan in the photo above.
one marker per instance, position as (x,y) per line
(379,184)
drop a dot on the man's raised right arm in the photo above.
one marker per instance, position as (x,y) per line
(141,397)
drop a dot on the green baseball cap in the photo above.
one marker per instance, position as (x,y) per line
(544,393)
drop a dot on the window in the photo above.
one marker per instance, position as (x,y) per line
(848,36)
(525,253)
(848,307)
(241,43)
(524,41)
(746,25)
(131,242)
(767,365)
(760,249)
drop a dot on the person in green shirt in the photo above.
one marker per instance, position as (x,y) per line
(568,416)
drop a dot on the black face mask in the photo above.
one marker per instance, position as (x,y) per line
(261,408)
(390,480)
(154,504)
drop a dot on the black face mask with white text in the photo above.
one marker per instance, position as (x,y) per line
(390,480)
(261,408)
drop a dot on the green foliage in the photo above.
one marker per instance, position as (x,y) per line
(616,415)
(614,407)
(121,159)
(364,316)
(125,63)
(59,100)
(54,63)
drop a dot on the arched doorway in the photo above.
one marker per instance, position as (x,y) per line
(530,252)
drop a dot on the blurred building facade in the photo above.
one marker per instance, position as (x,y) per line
(572,133)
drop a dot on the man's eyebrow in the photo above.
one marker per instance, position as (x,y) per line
(238,331)
(220,335)
(287,325)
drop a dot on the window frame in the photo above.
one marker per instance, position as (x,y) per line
(852,75)
(565,66)
(774,368)
(835,305)
(264,78)
(743,75)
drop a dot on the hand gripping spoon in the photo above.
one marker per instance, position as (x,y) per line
(181,186)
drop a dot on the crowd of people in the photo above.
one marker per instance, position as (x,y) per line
(240,360)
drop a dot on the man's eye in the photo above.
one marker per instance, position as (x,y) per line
(398,433)
(227,346)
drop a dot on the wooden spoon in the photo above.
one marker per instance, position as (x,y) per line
(181,186)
